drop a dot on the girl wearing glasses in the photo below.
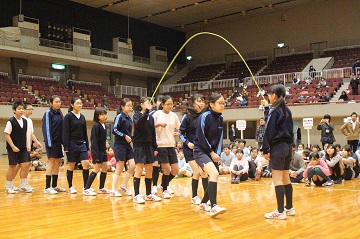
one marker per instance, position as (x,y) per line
(208,147)
(75,141)
(122,148)
(166,127)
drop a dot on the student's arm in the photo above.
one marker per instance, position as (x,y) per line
(184,129)
(85,134)
(66,133)
(28,137)
(10,142)
(46,129)
(117,125)
(94,142)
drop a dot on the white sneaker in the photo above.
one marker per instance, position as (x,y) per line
(125,191)
(154,190)
(276,215)
(290,212)
(208,203)
(196,200)
(28,186)
(89,192)
(59,189)
(170,190)
(160,187)
(72,190)
(25,189)
(217,210)
(138,199)
(14,187)
(9,190)
(152,197)
(103,191)
(205,207)
(115,194)
(50,191)
(166,195)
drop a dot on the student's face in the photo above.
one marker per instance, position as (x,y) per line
(314,161)
(241,145)
(199,104)
(107,145)
(77,106)
(300,147)
(145,105)
(353,118)
(56,104)
(28,111)
(315,150)
(234,150)
(262,122)
(19,111)
(254,154)
(218,106)
(330,151)
(272,98)
(239,155)
(111,151)
(127,108)
(167,107)
(102,118)
(226,151)
(345,153)
(325,147)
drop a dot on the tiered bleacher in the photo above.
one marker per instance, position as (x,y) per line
(238,67)
(203,73)
(10,89)
(344,57)
(288,63)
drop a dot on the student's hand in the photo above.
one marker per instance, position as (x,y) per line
(39,145)
(190,145)
(162,125)
(28,148)
(215,157)
(266,156)
(176,134)
(128,139)
(156,153)
(16,149)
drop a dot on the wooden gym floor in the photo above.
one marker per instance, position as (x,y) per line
(320,212)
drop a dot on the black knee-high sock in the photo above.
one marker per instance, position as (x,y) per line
(288,195)
(171,177)
(102,180)
(155,175)
(206,195)
(54,180)
(90,180)
(69,176)
(85,174)
(136,186)
(48,180)
(205,183)
(212,192)
(194,186)
(165,181)
(148,185)
(280,191)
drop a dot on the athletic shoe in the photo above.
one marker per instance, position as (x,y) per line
(290,212)
(92,190)
(217,210)
(276,215)
(328,183)
(72,190)
(59,189)
(152,197)
(50,191)
(138,199)
(14,187)
(205,207)
(115,194)
(338,181)
(125,191)
(196,200)
(166,195)
(89,192)
(28,186)
(237,181)
(233,181)
(307,183)
(154,190)
(160,187)
(9,190)
(103,191)
(170,190)
(208,203)
(26,189)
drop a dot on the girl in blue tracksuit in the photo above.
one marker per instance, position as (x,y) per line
(52,131)
(278,140)
(122,148)
(187,135)
(208,147)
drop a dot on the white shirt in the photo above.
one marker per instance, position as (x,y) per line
(165,136)
(8,129)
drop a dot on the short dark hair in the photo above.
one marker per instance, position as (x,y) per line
(353,113)
(17,104)
(239,151)
(97,112)
(226,146)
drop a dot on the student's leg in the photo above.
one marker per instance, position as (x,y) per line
(116,175)
(155,173)
(244,177)
(277,176)
(70,173)
(17,168)
(103,174)
(252,169)
(55,172)
(288,189)
(10,173)
(211,190)
(49,170)
(137,176)
(148,175)
(321,175)
(165,176)
(92,176)
(128,174)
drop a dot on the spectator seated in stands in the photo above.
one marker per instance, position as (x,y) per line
(343,96)
(296,80)
(11,100)
(263,84)
(312,72)
(261,93)
(322,84)
(235,94)
(287,94)
(245,97)
(43,100)
(262,105)
(105,101)
(308,81)
(324,97)
(70,84)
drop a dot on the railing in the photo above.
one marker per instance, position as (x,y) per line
(35,78)
(4,74)
(87,83)
(120,90)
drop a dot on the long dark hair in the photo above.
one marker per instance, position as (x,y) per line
(97,112)
(280,91)
(191,112)
(142,100)
(73,100)
(212,99)
(156,99)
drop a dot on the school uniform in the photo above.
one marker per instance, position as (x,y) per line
(187,135)
(98,143)
(278,138)
(122,127)
(75,139)
(19,134)
(144,139)
(52,132)
(209,137)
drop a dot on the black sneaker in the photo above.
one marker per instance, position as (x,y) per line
(338,181)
